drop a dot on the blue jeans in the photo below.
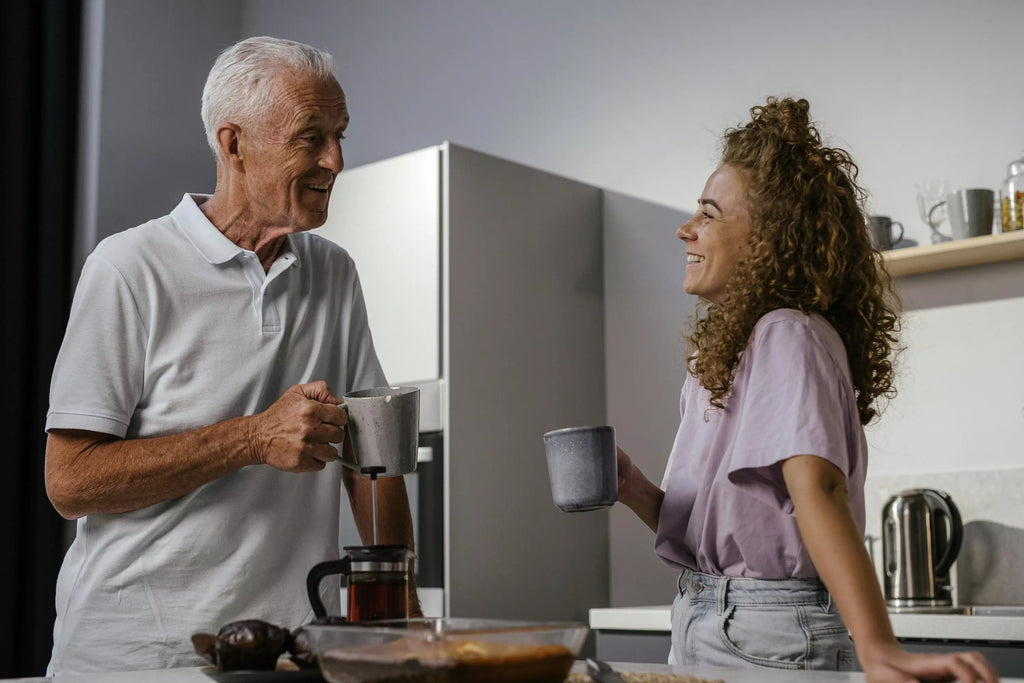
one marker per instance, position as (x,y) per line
(778,624)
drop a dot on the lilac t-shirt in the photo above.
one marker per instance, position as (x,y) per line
(726,509)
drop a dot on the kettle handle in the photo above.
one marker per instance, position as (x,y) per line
(317,574)
(956,532)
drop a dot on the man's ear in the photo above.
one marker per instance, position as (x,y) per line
(229,141)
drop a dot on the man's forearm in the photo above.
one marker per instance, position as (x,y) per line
(394,522)
(89,473)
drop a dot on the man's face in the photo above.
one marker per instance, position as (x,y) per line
(291,159)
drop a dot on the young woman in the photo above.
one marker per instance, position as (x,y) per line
(762,502)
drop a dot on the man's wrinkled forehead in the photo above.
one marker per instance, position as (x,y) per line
(305,101)
(334,116)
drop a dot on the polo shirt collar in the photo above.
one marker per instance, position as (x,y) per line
(207,239)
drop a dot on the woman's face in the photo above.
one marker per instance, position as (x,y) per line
(718,235)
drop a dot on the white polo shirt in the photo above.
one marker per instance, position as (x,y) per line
(175,327)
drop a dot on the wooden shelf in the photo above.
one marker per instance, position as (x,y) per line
(972,251)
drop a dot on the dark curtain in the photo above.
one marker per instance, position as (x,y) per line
(41,40)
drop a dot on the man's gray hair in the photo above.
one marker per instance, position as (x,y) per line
(238,88)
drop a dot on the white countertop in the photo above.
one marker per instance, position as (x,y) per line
(759,675)
(731,675)
(934,626)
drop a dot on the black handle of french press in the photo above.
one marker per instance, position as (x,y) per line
(317,574)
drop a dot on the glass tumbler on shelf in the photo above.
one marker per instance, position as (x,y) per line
(929,196)
(1011,197)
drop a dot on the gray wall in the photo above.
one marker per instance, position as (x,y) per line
(632,97)
(147,147)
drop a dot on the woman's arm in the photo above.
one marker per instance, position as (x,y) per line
(821,502)
(638,492)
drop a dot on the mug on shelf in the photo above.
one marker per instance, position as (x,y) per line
(880,230)
(970,213)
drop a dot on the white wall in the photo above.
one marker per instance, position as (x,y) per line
(632,96)
(961,378)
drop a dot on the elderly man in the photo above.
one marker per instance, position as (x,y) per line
(194,404)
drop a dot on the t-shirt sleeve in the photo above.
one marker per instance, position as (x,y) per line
(795,402)
(98,377)
(680,435)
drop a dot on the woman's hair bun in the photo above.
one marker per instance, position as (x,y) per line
(787,119)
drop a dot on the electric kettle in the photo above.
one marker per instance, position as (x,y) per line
(921,537)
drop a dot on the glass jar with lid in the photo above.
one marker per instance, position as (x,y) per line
(1011,197)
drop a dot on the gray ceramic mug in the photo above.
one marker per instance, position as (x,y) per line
(384,424)
(880,229)
(582,467)
(970,213)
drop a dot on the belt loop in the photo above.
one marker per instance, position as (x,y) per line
(828,604)
(681,582)
(723,588)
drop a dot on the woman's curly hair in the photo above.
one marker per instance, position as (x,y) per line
(809,251)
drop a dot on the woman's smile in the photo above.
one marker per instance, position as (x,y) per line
(718,234)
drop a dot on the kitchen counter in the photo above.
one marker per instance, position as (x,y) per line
(979,627)
(642,634)
(728,675)
(655,620)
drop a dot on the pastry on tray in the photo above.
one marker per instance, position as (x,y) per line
(448,661)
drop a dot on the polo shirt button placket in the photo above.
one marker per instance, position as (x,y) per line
(253,270)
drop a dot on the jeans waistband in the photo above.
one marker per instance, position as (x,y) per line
(726,590)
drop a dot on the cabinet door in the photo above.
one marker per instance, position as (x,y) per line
(387,215)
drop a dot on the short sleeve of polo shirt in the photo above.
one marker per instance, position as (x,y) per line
(795,401)
(98,379)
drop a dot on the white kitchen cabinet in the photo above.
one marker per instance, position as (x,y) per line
(387,215)
(483,282)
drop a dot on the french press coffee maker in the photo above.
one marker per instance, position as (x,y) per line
(377,575)
(383,425)
(377,578)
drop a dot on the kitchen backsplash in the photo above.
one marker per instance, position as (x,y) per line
(991,504)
